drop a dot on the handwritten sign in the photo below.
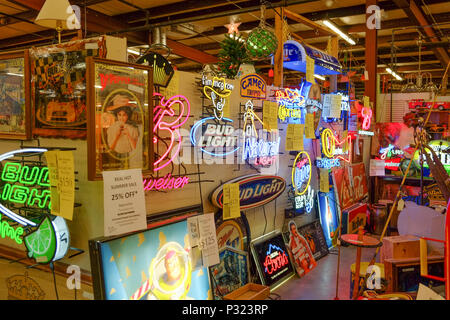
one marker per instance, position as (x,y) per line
(294,137)
(270,115)
(324,181)
(231,201)
(309,126)
(62,182)
(310,69)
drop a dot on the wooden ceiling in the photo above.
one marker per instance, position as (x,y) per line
(195,28)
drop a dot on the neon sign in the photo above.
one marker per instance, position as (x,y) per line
(366,113)
(259,150)
(6,230)
(345,101)
(14,172)
(253,86)
(290,103)
(301,173)
(163,109)
(327,163)
(166,183)
(21,193)
(441,148)
(329,142)
(217,90)
(216,137)
(275,259)
(305,201)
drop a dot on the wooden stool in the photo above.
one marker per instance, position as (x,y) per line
(359,241)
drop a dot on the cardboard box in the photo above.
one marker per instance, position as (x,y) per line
(400,247)
(250,291)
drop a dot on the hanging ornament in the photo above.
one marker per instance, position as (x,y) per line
(261,42)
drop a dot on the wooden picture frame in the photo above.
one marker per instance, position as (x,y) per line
(58,87)
(114,143)
(15,111)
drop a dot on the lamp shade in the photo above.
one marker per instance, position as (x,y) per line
(54,13)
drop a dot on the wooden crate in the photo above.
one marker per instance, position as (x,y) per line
(395,270)
(400,247)
(250,291)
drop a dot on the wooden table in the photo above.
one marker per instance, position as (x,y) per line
(360,241)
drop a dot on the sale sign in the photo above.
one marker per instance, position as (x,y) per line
(124,202)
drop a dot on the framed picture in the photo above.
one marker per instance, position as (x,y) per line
(15,96)
(120,120)
(58,75)
(231,273)
(154,264)
(329,216)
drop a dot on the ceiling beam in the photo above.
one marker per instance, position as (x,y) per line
(190,53)
(417,16)
(315,26)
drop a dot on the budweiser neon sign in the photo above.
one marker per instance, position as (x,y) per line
(165,183)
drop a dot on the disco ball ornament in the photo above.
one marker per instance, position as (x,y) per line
(261,43)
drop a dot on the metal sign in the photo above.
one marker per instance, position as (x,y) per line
(253,86)
(254,191)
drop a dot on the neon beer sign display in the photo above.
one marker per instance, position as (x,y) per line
(253,86)
(165,183)
(218,139)
(290,105)
(301,173)
(325,163)
(257,150)
(163,111)
(329,142)
(366,114)
(7,231)
(305,201)
(275,260)
(441,148)
(217,90)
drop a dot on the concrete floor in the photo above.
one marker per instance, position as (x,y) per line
(320,283)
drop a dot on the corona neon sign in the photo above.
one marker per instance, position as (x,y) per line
(329,142)
(290,104)
(215,138)
(160,113)
(301,173)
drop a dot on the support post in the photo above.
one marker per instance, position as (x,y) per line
(278,60)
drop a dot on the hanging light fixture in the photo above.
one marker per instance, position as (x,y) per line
(395,75)
(330,25)
(56,14)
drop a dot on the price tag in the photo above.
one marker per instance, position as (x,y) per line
(310,70)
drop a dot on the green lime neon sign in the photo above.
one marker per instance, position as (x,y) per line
(7,231)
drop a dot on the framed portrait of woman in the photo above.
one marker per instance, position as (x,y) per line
(15,96)
(120,117)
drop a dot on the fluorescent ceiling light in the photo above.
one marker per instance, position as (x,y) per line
(134,52)
(319,77)
(396,76)
(339,32)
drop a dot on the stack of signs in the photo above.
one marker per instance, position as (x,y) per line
(272,259)
(353,218)
(231,273)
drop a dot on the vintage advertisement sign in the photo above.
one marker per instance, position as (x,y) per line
(272,259)
(341,181)
(253,86)
(359,182)
(254,190)
(353,218)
